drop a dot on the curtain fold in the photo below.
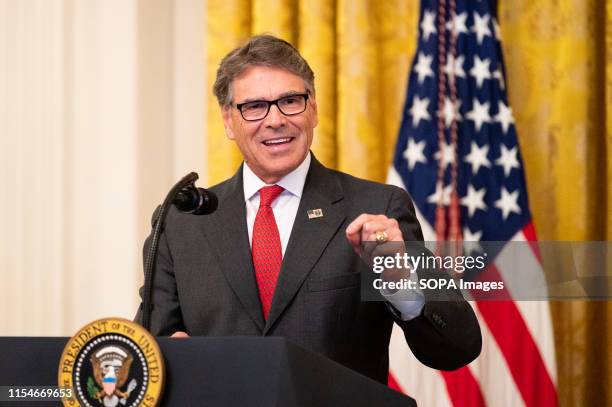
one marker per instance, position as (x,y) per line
(559,74)
(317,43)
(228,23)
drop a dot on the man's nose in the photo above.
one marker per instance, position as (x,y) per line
(275,118)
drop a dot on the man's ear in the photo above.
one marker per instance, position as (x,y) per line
(315,117)
(226,113)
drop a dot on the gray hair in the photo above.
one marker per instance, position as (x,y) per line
(260,50)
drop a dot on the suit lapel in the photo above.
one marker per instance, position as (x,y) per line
(228,236)
(309,237)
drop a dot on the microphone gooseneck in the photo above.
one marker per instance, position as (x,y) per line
(187,198)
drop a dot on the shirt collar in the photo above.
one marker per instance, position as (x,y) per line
(292,182)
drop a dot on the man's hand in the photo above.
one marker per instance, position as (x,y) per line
(180,334)
(364,228)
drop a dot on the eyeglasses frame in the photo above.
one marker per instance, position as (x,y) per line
(305,95)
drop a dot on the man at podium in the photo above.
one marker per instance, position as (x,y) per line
(280,256)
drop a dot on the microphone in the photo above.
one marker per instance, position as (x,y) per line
(194,200)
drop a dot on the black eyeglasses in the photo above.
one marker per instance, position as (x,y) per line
(259,109)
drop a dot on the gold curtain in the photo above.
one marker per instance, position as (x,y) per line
(559,68)
(559,73)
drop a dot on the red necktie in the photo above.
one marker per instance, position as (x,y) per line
(266,247)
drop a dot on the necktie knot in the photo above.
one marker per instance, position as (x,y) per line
(267,195)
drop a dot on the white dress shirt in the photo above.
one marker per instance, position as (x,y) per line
(285,209)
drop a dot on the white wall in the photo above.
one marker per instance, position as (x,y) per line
(101,111)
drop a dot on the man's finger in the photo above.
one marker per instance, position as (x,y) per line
(364,228)
(356,225)
(353,230)
(180,334)
(369,230)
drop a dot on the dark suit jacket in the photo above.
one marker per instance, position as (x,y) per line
(205,284)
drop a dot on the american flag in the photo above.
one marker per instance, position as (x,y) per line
(458,155)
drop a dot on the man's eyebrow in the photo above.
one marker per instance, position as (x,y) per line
(282,95)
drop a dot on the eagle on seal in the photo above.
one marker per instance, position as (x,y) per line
(111,369)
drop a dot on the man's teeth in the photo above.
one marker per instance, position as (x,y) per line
(277,141)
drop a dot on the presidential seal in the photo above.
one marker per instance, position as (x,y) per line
(112,362)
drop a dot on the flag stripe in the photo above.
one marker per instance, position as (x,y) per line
(393,384)
(539,324)
(508,267)
(520,351)
(463,388)
(521,271)
(530,233)
(537,317)
(425,384)
(492,373)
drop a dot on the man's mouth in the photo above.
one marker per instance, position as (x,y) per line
(277,141)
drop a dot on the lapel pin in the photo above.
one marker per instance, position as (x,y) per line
(315,213)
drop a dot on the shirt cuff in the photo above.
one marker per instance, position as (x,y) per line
(405,306)
(408,309)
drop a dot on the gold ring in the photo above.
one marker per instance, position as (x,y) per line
(382,237)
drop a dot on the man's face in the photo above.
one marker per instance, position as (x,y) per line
(291,135)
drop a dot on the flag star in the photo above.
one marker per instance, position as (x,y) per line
(478,157)
(455,66)
(479,114)
(449,113)
(470,241)
(508,159)
(504,116)
(423,67)
(446,153)
(468,236)
(414,153)
(481,27)
(428,26)
(474,199)
(507,203)
(419,110)
(480,71)
(445,195)
(496,29)
(457,24)
(497,74)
